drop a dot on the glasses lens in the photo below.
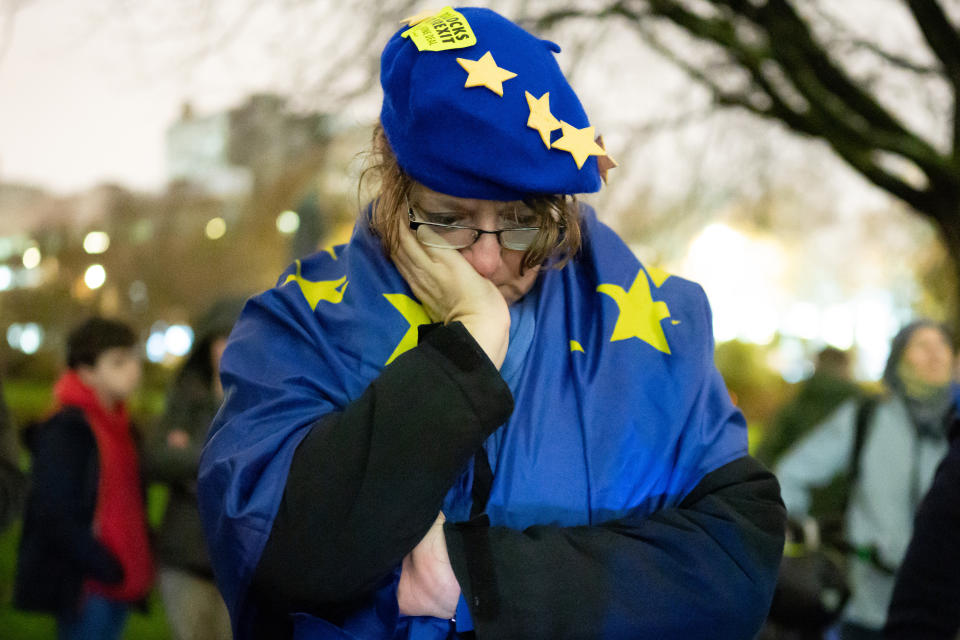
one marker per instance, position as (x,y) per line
(444,237)
(518,239)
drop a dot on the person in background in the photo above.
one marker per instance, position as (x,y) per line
(12,481)
(194,607)
(483,417)
(926,597)
(825,390)
(84,553)
(904,441)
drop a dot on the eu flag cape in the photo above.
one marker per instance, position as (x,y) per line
(619,409)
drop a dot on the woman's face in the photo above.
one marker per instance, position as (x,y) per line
(930,356)
(500,266)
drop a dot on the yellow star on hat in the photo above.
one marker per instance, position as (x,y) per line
(417,18)
(540,117)
(606,162)
(579,142)
(485,73)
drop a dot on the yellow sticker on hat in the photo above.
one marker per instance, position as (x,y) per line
(447,29)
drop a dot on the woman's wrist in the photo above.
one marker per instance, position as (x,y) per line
(492,334)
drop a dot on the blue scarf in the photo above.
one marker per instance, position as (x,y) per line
(619,409)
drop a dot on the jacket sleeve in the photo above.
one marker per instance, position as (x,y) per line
(60,467)
(816,459)
(926,597)
(703,569)
(168,464)
(366,483)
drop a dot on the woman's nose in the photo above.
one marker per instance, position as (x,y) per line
(484,254)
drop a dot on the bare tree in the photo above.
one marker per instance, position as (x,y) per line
(790,62)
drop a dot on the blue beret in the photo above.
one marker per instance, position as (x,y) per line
(471,142)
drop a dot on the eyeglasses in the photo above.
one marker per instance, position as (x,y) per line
(452,236)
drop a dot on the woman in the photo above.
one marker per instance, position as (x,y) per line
(904,440)
(191,601)
(483,415)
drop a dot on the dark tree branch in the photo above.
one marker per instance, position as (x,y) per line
(797,80)
(944,40)
(673,123)
(838,107)
(896,60)
(849,41)
(940,34)
(868,167)
(827,86)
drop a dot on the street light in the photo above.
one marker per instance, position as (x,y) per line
(31,257)
(288,222)
(31,338)
(95,276)
(216,228)
(96,242)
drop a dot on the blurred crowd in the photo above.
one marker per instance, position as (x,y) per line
(86,554)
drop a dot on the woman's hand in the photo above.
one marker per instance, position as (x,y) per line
(427,585)
(451,290)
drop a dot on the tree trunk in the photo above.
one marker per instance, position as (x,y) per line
(947,218)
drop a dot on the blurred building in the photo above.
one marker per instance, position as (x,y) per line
(246,186)
(237,151)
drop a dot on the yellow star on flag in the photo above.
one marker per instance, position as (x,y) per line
(640,316)
(417,18)
(315,291)
(576,346)
(540,117)
(485,73)
(658,275)
(415,315)
(579,142)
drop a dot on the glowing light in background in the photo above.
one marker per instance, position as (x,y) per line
(216,228)
(95,276)
(839,321)
(96,242)
(156,348)
(31,338)
(178,339)
(14,332)
(746,281)
(741,276)
(288,222)
(877,322)
(6,277)
(165,340)
(31,257)
(790,360)
(802,320)
(138,292)
(27,338)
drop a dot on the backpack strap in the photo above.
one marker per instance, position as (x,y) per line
(865,411)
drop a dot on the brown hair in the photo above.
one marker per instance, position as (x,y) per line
(558,215)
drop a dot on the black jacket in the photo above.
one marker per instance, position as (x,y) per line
(57,547)
(191,406)
(926,596)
